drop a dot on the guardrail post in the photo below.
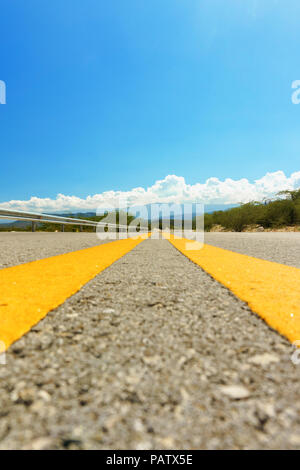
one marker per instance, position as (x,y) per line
(80,228)
(62,228)
(33,226)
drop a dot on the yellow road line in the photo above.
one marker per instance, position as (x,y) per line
(29,291)
(271,290)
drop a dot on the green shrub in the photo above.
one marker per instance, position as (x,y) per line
(285,210)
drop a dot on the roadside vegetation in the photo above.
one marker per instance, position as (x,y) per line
(283,211)
(112,217)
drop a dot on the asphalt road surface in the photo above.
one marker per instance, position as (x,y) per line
(281,247)
(151,354)
(23,247)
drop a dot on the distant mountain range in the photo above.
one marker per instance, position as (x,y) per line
(178,208)
(18,224)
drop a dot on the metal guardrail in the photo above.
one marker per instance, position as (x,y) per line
(36,218)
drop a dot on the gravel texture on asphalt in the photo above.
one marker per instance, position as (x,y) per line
(281,247)
(22,247)
(151,354)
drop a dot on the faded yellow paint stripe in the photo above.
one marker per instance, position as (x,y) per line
(29,291)
(271,290)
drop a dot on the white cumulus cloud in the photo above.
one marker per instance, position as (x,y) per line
(171,189)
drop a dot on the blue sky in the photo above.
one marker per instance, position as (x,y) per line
(117,95)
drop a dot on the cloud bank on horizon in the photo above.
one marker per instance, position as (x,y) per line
(171,189)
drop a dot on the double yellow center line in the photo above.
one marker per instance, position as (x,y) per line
(29,291)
